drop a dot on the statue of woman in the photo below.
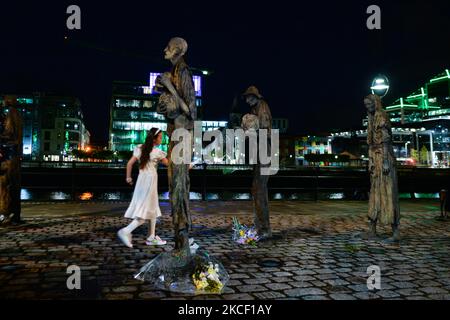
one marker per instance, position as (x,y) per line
(383,201)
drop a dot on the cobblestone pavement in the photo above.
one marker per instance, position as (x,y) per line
(319,254)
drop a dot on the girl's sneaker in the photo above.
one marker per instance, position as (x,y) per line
(155,241)
(125,238)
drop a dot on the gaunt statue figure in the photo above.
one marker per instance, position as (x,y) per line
(174,270)
(10,154)
(177,103)
(383,201)
(260,117)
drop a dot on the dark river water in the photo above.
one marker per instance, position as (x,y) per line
(108,195)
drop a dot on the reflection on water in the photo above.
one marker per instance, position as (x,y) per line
(213,196)
(241,196)
(337,196)
(426,195)
(86,196)
(195,196)
(59,195)
(111,196)
(164,196)
(25,194)
(101,195)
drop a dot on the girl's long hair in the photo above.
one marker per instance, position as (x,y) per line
(147,147)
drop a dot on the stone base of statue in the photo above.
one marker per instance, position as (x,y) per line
(194,273)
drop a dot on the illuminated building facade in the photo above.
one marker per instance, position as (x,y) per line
(53,125)
(420,127)
(429,102)
(133,113)
(311,145)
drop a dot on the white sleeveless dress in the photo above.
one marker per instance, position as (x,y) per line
(145,203)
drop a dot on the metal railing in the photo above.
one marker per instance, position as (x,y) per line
(76,177)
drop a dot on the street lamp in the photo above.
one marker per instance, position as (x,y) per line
(380,85)
(406,148)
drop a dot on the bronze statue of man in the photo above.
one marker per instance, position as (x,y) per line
(261,110)
(10,155)
(180,111)
(383,201)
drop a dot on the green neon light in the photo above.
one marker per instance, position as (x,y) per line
(402,106)
(447,76)
(422,94)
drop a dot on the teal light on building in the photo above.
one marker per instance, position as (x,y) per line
(430,101)
(133,113)
(53,125)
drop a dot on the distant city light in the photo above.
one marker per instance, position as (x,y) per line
(152,80)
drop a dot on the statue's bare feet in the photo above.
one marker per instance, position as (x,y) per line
(395,239)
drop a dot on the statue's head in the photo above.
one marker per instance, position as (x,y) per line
(175,49)
(372,103)
(252,96)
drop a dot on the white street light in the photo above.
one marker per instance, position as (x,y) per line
(380,85)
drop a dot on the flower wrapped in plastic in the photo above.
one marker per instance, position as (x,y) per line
(185,272)
(243,234)
(206,278)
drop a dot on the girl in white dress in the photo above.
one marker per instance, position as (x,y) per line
(145,204)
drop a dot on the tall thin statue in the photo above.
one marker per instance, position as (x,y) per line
(177,103)
(383,201)
(260,117)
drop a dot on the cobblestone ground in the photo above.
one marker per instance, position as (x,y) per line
(319,254)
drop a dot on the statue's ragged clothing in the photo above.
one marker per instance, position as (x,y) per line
(262,111)
(10,159)
(184,84)
(383,200)
(178,174)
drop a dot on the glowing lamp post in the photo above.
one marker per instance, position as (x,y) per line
(380,85)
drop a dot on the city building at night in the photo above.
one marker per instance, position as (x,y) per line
(429,102)
(310,145)
(133,113)
(53,125)
(420,126)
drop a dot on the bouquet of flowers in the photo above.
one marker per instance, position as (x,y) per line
(243,234)
(206,278)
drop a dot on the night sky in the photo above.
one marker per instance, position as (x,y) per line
(313,61)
